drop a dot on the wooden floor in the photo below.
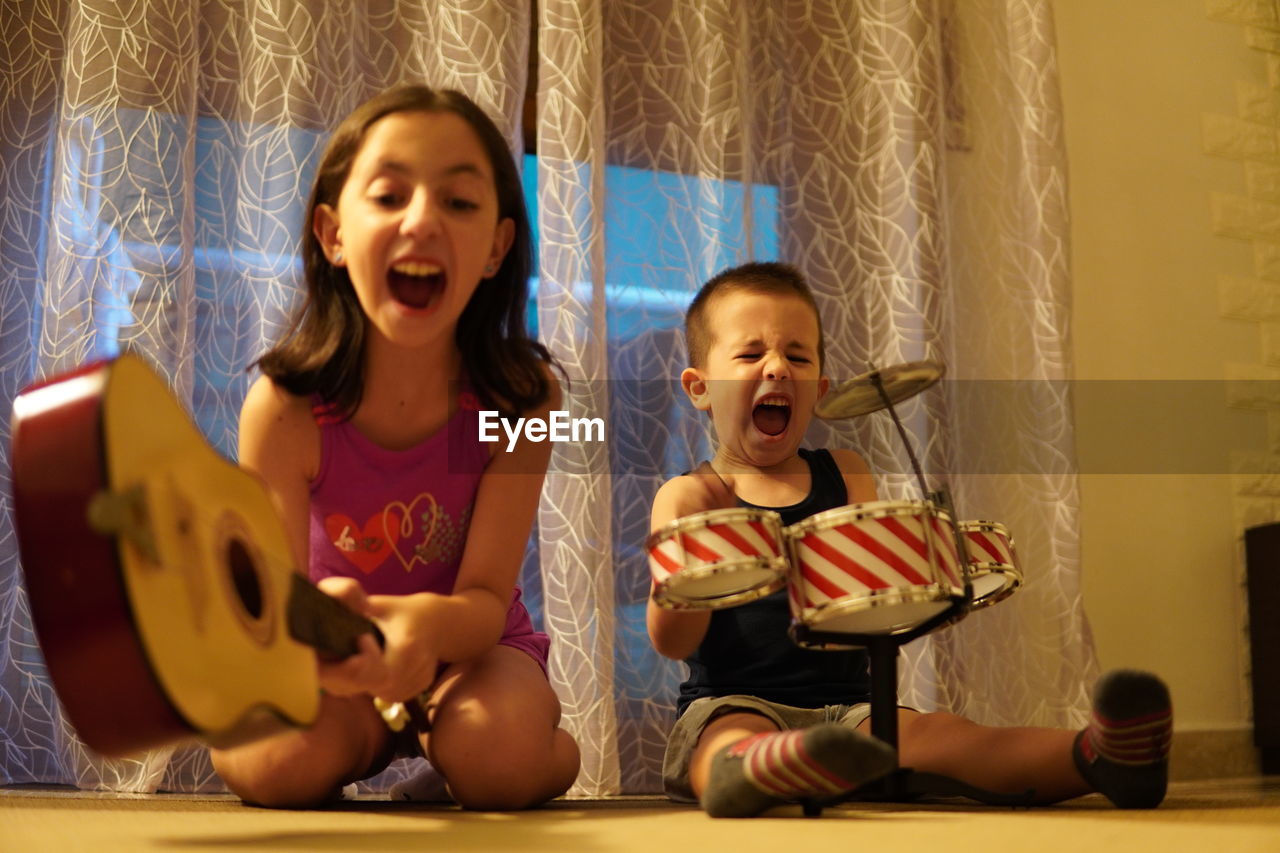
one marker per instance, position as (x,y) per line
(1232,816)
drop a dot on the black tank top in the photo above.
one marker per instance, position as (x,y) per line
(747,649)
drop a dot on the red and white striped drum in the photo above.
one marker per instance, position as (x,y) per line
(993,562)
(717,558)
(881,567)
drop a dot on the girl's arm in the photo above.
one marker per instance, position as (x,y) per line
(470,621)
(423,628)
(280,442)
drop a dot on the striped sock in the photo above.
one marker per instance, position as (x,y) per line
(771,768)
(1124,751)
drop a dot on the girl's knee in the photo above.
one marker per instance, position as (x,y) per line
(502,768)
(480,723)
(497,795)
(265,778)
(520,780)
(497,740)
(300,769)
(277,793)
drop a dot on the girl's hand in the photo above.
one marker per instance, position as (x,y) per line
(400,671)
(361,672)
(412,650)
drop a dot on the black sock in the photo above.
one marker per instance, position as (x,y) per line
(1124,751)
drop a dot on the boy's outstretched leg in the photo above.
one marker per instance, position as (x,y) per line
(1124,751)
(1122,754)
(771,768)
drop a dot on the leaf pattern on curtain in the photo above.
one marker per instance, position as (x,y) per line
(575,514)
(157,159)
(906,154)
(1029,660)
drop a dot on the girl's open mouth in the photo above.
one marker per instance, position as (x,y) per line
(771,415)
(415,284)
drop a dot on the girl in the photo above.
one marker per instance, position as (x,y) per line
(364,426)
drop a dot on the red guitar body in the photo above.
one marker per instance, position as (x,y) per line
(158,574)
(78,600)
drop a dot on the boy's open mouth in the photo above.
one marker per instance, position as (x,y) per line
(416,284)
(771,415)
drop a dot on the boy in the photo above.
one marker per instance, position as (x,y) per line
(763,721)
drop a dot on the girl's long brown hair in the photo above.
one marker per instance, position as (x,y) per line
(323,350)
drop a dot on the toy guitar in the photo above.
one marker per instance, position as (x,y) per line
(158,574)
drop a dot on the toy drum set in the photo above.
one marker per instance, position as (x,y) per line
(881,567)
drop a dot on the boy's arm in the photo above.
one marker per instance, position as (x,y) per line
(677,633)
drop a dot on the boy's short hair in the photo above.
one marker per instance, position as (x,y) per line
(771,277)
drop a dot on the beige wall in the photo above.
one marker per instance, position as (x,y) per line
(1162,567)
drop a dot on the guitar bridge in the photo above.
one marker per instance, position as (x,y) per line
(124,514)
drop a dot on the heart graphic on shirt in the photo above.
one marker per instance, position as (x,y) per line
(412,518)
(365,546)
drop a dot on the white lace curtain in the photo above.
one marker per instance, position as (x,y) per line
(906,155)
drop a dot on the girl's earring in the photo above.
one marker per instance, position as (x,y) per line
(488,270)
(337,256)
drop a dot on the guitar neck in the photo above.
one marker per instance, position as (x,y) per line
(323,622)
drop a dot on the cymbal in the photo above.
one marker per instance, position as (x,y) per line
(859,395)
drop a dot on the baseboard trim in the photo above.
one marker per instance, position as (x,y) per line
(1222,754)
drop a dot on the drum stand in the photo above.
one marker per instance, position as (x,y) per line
(902,784)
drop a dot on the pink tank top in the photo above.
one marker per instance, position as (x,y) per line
(397,520)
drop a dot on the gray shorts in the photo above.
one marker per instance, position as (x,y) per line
(688,729)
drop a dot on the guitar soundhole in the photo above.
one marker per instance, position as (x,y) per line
(244,577)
